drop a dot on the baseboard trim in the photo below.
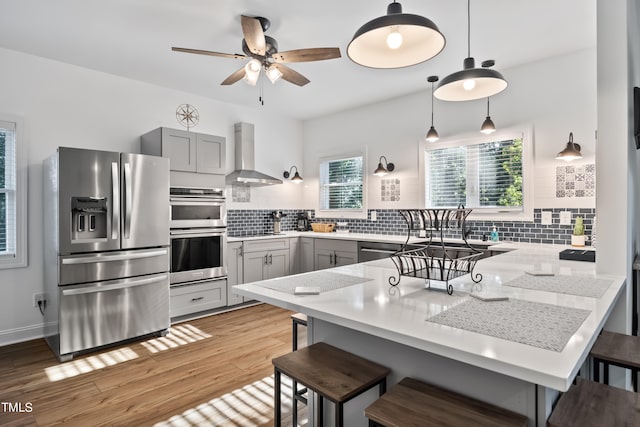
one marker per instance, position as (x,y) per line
(25,333)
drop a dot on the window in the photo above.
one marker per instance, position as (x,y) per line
(484,173)
(342,184)
(12,198)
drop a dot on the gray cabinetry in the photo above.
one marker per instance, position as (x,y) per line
(200,296)
(187,151)
(305,251)
(334,253)
(234,272)
(265,259)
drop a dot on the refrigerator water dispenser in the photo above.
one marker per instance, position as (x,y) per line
(88,218)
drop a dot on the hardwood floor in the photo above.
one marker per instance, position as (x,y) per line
(211,371)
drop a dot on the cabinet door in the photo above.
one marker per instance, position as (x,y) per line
(180,147)
(295,255)
(344,258)
(323,259)
(278,264)
(254,266)
(234,272)
(306,254)
(211,154)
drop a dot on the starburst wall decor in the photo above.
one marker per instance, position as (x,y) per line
(187,115)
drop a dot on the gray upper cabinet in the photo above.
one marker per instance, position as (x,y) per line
(187,151)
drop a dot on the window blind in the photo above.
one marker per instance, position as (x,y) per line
(7,189)
(483,175)
(341,184)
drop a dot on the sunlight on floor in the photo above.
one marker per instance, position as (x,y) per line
(250,406)
(178,335)
(90,363)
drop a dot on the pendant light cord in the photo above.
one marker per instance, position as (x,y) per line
(431,104)
(468,28)
(487,106)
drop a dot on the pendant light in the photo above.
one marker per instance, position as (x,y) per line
(471,83)
(571,151)
(432,134)
(488,126)
(395,40)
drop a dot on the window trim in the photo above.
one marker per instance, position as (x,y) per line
(20,259)
(523,131)
(344,213)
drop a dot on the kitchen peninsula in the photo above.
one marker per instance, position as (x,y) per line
(390,325)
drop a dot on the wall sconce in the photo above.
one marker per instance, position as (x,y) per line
(381,170)
(297,179)
(395,40)
(488,126)
(571,151)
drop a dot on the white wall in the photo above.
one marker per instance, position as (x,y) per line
(556,96)
(64,105)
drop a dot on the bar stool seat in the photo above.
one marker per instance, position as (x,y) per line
(413,403)
(591,404)
(333,374)
(616,349)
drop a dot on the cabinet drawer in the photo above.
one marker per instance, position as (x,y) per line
(336,245)
(198,296)
(265,245)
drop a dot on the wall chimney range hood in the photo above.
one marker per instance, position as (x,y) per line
(245,173)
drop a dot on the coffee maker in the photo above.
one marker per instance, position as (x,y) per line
(303,223)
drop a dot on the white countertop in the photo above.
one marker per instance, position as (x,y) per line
(399,314)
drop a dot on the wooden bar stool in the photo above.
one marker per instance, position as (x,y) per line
(616,349)
(415,403)
(591,404)
(297,319)
(333,374)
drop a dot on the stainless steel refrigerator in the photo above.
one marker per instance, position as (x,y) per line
(106,248)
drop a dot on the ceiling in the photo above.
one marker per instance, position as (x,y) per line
(133,39)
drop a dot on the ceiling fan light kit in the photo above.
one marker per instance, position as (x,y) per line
(395,40)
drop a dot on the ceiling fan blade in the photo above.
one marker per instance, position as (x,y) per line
(307,55)
(236,76)
(291,75)
(208,52)
(253,35)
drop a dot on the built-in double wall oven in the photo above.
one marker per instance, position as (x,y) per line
(198,234)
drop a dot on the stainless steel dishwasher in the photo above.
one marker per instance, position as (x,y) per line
(369,251)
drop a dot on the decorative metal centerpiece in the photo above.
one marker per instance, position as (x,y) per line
(435,260)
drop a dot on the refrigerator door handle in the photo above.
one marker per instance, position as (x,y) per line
(108,258)
(115,201)
(128,200)
(92,289)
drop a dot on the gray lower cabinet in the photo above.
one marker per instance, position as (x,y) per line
(306,254)
(334,253)
(198,296)
(235,274)
(265,259)
(295,263)
(187,151)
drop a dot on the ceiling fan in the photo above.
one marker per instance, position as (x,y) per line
(263,53)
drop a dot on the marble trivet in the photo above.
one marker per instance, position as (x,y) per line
(572,285)
(536,324)
(322,280)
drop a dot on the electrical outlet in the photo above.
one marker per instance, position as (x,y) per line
(565,218)
(374,216)
(422,233)
(546,217)
(38,297)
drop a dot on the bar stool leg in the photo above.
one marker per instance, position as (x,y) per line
(294,403)
(320,417)
(276,398)
(596,370)
(339,414)
(606,373)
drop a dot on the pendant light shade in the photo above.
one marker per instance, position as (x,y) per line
(571,151)
(488,126)
(381,170)
(395,40)
(297,179)
(471,83)
(432,134)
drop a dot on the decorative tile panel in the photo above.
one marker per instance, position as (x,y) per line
(576,181)
(241,193)
(390,190)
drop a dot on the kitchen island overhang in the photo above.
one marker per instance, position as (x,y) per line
(399,315)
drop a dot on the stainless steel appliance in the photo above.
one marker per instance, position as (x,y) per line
(197,207)
(106,248)
(277,218)
(198,234)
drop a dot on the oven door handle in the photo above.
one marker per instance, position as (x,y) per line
(196,202)
(200,232)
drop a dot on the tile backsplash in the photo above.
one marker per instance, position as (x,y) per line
(390,222)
